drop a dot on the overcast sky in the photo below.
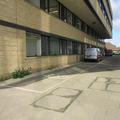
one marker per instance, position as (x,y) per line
(116,23)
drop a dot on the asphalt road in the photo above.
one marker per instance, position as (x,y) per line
(85,91)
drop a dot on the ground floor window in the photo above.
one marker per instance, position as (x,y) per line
(45,45)
(69,47)
(33,44)
(42,45)
(54,46)
(63,47)
(79,48)
(75,47)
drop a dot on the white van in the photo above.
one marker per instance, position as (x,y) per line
(92,54)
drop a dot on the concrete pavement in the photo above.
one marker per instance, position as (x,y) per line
(85,91)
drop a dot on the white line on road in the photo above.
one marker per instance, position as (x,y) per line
(50,88)
(23,89)
(35,91)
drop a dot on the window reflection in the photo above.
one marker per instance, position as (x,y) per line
(69,17)
(60,11)
(54,8)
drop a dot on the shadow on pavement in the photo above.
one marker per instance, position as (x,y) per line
(109,64)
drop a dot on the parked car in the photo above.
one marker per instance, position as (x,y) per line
(93,54)
(117,53)
(108,52)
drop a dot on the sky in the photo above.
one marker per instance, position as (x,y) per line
(116,23)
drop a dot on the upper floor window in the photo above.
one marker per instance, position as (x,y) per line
(63,13)
(69,17)
(74,18)
(44,5)
(35,2)
(78,23)
(58,10)
(54,8)
(100,3)
(83,27)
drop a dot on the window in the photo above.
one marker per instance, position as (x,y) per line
(69,17)
(83,27)
(86,28)
(74,20)
(104,10)
(82,48)
(45,45)
(63,13)
(74,47)
(78,23)
(43,4)
(100,3)
(63,47)
(54,8)
(35,2)
(89,31)
(69,47)
(79,48)
(41,45)
(93,33)
(54,46)
(33,44)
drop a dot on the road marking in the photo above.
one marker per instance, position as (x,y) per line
(40,92)
(50,88)
(23,89)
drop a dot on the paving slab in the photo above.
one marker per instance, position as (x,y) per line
(101,79)
(95,105)
(116,80)
(114,87)
(52,102)
(98,86)
(79,81)
(90,104)
(65,92)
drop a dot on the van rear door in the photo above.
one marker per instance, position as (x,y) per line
(91,53)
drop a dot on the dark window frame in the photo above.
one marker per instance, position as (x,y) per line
(62,14)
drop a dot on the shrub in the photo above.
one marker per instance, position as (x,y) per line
(20,73)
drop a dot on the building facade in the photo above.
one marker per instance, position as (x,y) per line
(44,34)
(110,46)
